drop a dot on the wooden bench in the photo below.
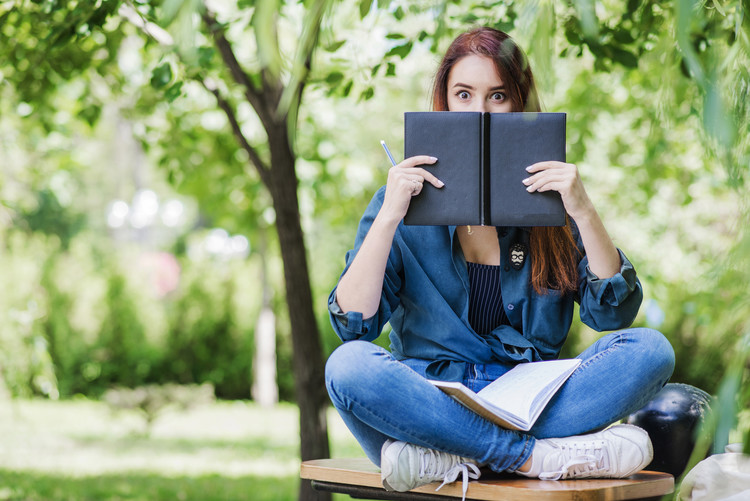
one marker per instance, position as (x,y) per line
(359,478)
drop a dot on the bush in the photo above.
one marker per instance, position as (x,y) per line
(88,319)
(204,343)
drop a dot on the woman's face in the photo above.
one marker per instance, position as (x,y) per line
(475,85)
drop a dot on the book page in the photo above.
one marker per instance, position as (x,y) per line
(516,390)
(469,399)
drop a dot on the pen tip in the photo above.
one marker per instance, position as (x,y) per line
(382,141)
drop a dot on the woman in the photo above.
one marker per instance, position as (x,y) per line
(459,311)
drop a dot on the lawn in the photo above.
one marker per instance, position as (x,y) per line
(83,450)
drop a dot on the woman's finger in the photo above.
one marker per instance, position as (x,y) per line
(424,174)
(533,183)
(417,160)
(416,188)
(547,165)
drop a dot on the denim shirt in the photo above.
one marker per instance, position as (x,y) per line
(425,298)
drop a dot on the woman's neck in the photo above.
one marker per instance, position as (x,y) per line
(479,244)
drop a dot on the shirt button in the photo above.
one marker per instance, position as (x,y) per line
(507,268)
(503,233)
(510,306)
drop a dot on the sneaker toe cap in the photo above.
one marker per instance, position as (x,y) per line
(635,451)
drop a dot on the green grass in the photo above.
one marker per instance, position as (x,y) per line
(146,487)
(81,450)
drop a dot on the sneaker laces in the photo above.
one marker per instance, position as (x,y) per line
(584,459)
(432,463)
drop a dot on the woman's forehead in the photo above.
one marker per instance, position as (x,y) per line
(475,70)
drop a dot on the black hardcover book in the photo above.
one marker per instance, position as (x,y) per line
(482,159)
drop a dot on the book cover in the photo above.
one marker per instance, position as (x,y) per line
(517,398)
(482,159)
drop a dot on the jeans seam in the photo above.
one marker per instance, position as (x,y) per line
(528,443)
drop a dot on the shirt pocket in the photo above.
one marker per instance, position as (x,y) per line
(550,315)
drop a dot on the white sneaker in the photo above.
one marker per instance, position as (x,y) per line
(616,452)
(405,467)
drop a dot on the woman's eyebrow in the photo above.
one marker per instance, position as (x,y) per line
(459,84)
(467,86)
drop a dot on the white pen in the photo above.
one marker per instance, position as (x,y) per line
(388,152)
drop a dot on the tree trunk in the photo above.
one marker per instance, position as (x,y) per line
(307,353)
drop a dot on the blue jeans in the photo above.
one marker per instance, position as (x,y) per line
(379,397)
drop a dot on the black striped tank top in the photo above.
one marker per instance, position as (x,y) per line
(485,298)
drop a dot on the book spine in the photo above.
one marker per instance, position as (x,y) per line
(485,200)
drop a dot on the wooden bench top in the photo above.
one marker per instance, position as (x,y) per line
(361,477)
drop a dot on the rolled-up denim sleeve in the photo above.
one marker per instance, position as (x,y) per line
(352,325)
(609,303)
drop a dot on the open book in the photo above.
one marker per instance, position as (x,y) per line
(482,159)
(517,398)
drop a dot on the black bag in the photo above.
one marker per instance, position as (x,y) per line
(671,420)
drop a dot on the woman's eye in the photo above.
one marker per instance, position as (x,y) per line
(498,96)
(463,95)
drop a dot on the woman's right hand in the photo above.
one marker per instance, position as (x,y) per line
(361,286)
(405,181)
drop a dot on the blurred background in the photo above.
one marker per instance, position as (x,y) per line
(180,181)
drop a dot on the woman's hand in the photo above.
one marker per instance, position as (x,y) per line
(405,180)
(361,286)
(564,179)
(604,260)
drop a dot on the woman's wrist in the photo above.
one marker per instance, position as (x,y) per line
(586,214)
(387,221)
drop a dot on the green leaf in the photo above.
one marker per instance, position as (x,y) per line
(716,118)
(623,36)
(375,69)
(391,70)
(588,19)
(205,54)
(170,11)
(571,34)
(394,36)
(633,6)
(161,76)
(265,21)
(400,50)
(347,88)
(90,113)
(364,7)
(173,92)
(334,46)
(624,57)
(334,78)
(367,94)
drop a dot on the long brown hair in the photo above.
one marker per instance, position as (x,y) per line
(553,249)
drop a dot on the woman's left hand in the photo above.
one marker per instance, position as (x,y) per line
(564,179)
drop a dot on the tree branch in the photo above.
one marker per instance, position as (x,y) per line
(150,29)
(164,38)
(255,96)
(260,166)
